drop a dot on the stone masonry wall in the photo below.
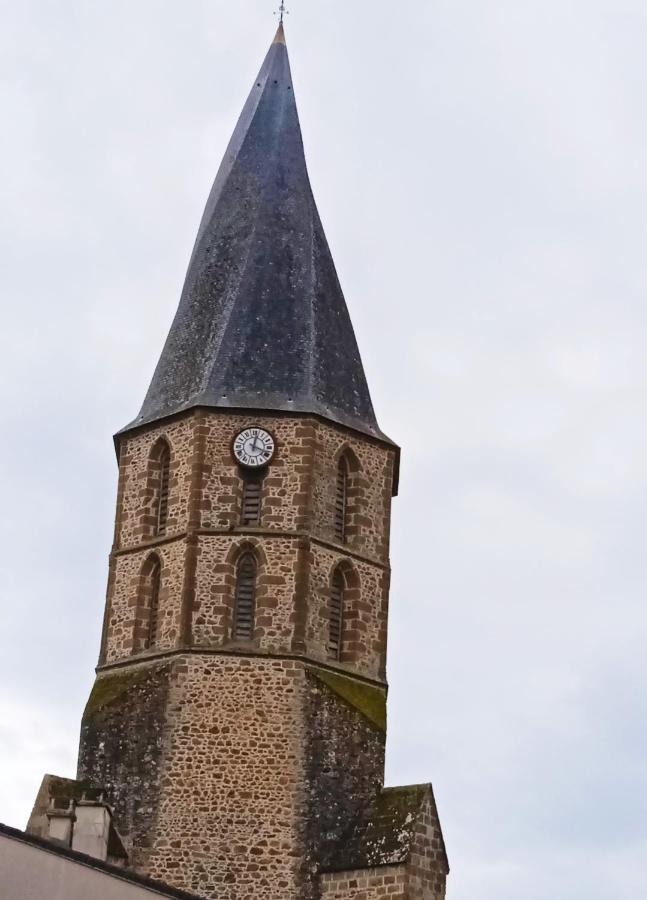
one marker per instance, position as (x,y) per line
(385,883)
(203,759)
(365,618)
(123,738)
(346,736)
(275,590)
(370,491)
(293,545)
(231,776)
(135,517)
(234,765)
(286,485)
(279,559)
(126,598)
(299,490)
(427,866)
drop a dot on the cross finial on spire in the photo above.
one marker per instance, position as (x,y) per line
(282,11)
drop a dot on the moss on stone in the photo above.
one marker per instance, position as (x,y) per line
(108,688)
(399,802)
(368,699)
(384,834)
(68,788)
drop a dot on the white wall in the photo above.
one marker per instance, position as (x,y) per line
(28,872)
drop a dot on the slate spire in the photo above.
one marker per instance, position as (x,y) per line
(262,322)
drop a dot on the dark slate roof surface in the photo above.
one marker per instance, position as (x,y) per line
(262,322)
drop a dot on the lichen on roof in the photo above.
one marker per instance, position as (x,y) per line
(369,699)
(109,688)
(65,789)
(383,835)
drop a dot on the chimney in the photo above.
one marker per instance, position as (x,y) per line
(85,825)
(91,832)
(60,819)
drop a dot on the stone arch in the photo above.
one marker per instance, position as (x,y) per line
(244,610)
(349,496)
(160,465)
(250,545)
(236,556)
(161,443)
(344,624)
(147,621)
(352,459)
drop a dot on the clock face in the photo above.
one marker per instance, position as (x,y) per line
(254,447)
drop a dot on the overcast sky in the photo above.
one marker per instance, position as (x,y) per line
(480,170)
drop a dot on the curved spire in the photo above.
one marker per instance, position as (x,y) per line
(262,322)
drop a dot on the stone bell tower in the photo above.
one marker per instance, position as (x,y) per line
(238,719)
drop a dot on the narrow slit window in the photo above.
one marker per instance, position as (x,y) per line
(245,603)
(252,499)
(341,500)
(164,482)
(336,621)
(153,590)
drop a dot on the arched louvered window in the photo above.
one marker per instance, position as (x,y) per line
(341,500)
(152,583)
(245,600)
(252,498)
(164,462)
(336,620)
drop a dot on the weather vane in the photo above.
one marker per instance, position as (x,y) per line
(282,11)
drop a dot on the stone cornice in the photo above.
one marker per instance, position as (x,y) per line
(141,659)
(265,533)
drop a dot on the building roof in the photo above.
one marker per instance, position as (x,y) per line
(262,322)
(384,834)
(82,859)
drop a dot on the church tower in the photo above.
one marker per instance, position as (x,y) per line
(238,719)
